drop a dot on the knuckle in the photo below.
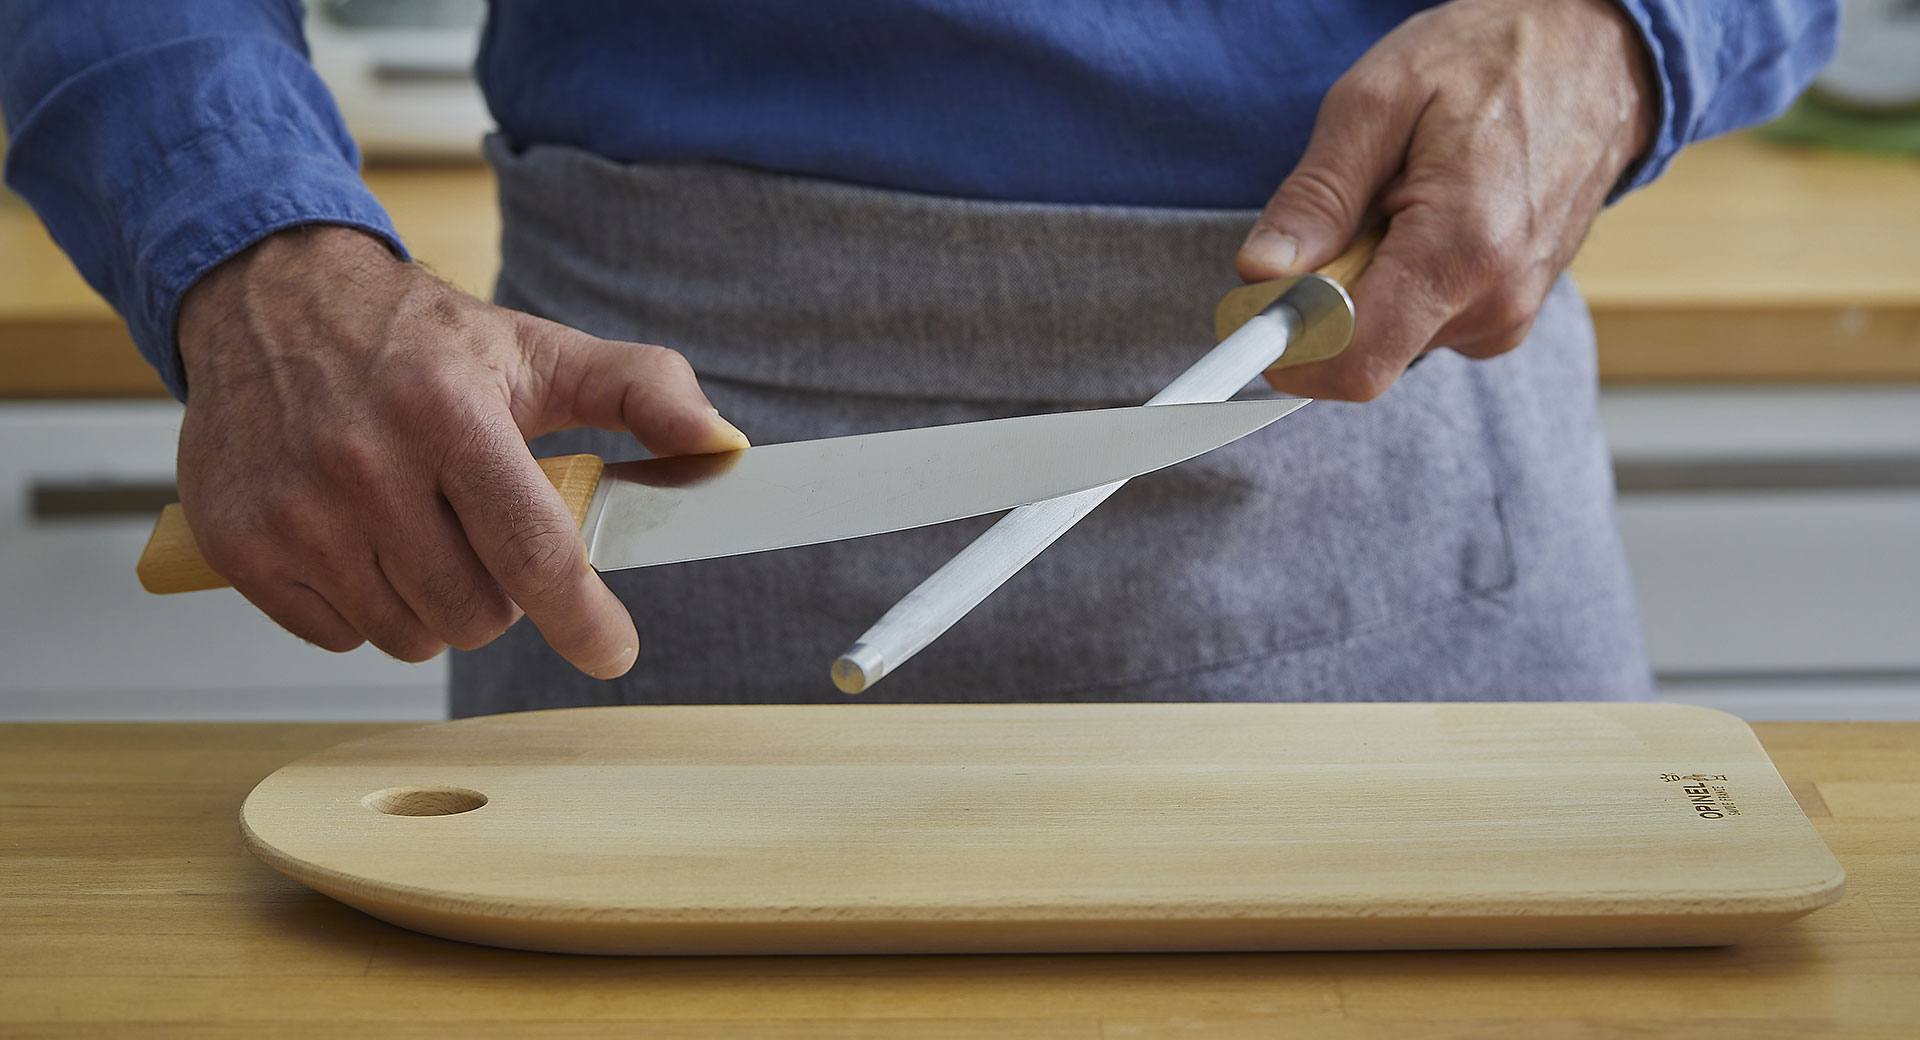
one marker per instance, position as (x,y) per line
(1498,341)
(1317,192)
(435,393)
(1480,258)
(473,449)
(323,637)
(413,651)
(312,626)
(540,559)
(283,510)
(442,414)
(293,521)
(420,650)
(239,559)
(1375,377)
(1347,379)
(450,596)
(1359,385)
(339,644)
(251,550)
(671,364)
(405,642)
(348,460)
(1488,252)
(464,609)
(1510,316)
(1368,86)
(490,617)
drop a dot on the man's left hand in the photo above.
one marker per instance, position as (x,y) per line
(1488,133)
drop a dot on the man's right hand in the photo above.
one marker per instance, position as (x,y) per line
(353,457)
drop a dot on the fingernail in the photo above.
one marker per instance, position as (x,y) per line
(618,666)
(726,434)
(1270,248)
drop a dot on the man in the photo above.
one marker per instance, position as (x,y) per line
(862,215)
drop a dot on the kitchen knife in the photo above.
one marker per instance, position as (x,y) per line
(776,496)
(1263,326)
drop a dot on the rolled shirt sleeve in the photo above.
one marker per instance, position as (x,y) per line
(1725,64)
(156,140)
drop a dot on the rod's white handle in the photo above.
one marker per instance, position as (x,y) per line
(957,587)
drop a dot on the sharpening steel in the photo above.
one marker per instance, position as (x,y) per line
(1263,326)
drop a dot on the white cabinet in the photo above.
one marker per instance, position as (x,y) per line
(1777,583)
(79,637)
(1774,536)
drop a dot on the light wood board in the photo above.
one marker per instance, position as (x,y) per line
(962,828)
(128,907)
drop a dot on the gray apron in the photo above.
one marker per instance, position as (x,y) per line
(1451,541)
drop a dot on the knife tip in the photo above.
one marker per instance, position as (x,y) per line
(860,667)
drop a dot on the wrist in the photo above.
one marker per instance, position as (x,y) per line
(288,272)
(1638,85)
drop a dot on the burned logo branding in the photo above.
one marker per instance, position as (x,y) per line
(1705,793)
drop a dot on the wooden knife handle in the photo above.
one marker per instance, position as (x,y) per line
(172,562)
(1350,265)
(1248,300)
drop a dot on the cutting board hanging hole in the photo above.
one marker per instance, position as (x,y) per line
(424,801)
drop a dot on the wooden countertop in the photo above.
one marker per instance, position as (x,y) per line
(1746,262)
(1757,262)
(128,907)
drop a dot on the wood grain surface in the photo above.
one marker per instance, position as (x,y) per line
(129,908)
(995,828)
(171,561)
(1755,262)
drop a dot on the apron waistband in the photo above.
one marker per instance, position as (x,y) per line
(778,280)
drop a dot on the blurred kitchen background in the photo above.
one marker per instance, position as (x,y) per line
(1758,314)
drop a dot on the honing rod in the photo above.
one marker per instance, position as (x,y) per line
(1266,325)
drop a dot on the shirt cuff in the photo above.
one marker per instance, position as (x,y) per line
(201,216)
(1669,135)
(153,168)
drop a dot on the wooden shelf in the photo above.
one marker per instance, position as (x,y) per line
(1747,262)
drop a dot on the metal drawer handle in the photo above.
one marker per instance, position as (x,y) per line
(1895,473)
(58,500)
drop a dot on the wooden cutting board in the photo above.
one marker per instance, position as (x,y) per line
(954,828)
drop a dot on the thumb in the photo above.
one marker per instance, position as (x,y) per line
(647,390)
(1359,143)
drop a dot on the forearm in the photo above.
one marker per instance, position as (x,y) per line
(156,140)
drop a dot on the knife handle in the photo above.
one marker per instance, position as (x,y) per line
(1350,265)
(172,562)
(1322,339)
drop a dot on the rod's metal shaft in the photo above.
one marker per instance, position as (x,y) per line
(971,576)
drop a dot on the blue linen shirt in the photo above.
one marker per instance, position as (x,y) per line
(158,139)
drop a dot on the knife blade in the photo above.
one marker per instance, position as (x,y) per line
(1266,325)
(777,496)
